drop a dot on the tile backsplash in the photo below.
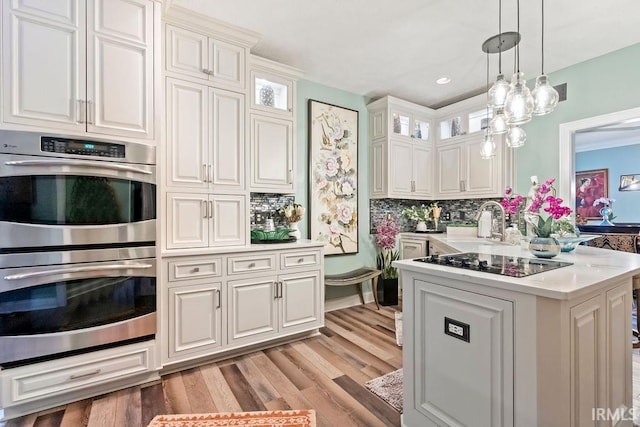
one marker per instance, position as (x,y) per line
(461,211)
(264,205)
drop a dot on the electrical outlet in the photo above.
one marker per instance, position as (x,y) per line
(447,216)
(259,217)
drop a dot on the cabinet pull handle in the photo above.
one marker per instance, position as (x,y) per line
(82,116)
(207,71)
(210,209)
(90,112)
(300,260)
(218,292)
(88,374)
(205,177)
(462,187)
(195,270)
(251,265)
(210,173)
(289,176)
(275,284)
(280,295)
(204,208)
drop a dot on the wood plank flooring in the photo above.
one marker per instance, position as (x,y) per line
(325,373)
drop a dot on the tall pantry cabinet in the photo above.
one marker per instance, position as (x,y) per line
(206,197)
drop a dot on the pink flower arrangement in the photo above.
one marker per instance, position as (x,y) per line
(509,203)
(554,204)
(387,230)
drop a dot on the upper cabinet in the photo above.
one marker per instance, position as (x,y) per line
(273,116)
(401,161)
(79,66)
(190,53)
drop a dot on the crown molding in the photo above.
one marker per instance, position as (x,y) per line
(260,63)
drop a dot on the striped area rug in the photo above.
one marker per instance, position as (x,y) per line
(293,418)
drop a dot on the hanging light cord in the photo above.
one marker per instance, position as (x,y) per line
(499,41)
(518,45)
(542,38)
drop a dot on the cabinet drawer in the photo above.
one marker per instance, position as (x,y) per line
(251,263)
(65,375)
(194,268)
(299,259)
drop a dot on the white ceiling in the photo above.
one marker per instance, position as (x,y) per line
(380,47)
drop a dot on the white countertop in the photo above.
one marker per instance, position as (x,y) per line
(299,244)
(592,268)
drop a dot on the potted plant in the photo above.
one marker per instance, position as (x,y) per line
(387,233)
(293,214)
(419,214)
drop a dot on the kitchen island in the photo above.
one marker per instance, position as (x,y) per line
(549,349)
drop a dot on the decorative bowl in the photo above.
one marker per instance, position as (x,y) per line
(567,244)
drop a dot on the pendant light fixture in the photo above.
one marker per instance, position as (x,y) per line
(518,106)
(488,146)
(545,97)
(498,92)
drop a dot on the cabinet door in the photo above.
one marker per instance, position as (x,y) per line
(43,63)
(195,319)
(187,221)
(422,161)
(400,173)
(300,304)
(186,52)
(252,310)
(227,64)
(378,169)
(187,124)
(412,248)
(482,175)
(449,356)
(587,350)
(226,139)
(271,154)
(449,170)
(120,67)
(229,220)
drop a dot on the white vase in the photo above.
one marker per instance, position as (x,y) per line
(295,231)
(421,226)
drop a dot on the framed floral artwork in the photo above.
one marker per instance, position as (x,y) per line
(333,177)
(590,186)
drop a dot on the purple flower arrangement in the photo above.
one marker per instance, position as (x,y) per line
(387,230)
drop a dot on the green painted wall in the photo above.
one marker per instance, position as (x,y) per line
(601,85)
(366,255)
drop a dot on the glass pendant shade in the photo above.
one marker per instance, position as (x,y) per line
(519,104)
(488,147)
(498,124)
(516,137)
(498,92)
(545,97)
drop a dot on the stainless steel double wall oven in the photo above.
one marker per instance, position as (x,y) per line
(77,245)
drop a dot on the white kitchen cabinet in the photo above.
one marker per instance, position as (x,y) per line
(273,116)
(78,66)
(193,54)
(202,220)
(272,155)
(205,137)
(461,173)
(195,318)
(401,158)
(265,306)
(412,248)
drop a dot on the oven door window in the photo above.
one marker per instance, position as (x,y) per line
(75,304)
(75,200)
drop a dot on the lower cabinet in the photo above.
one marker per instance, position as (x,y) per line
(267,306)
(225,302)
(413,248)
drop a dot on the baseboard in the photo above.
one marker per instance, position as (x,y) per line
(348,301)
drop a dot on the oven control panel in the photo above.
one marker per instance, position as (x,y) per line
(80,147)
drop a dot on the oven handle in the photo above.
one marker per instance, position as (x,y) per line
(76,163)
(77,270)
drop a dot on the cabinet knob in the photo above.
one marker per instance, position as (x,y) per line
(253,264)
(195,270)
(300,260)
(207,71)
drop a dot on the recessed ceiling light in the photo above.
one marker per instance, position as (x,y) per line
(443,80)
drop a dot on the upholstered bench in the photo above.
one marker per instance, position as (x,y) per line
(356,277)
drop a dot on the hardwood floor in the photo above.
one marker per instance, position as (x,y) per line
(325,373)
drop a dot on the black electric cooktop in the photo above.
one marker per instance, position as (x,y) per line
(496,264)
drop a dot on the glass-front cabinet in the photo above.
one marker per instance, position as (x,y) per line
(271,93)
(463,123)
(409,124)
